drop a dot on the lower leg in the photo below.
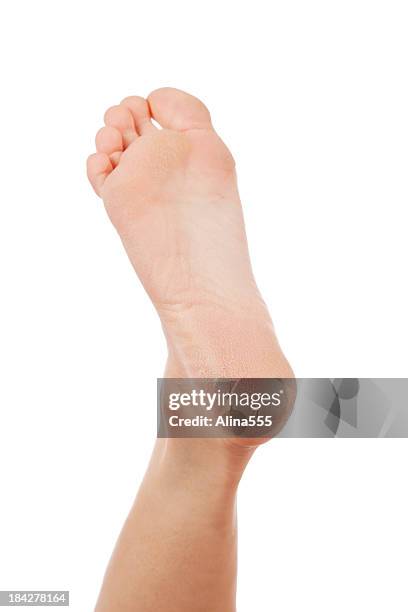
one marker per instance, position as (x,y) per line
(177,549)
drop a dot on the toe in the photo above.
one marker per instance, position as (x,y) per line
(121,118)
(177,110)
(98,168)
(115,158)
(140,111)
(109,140)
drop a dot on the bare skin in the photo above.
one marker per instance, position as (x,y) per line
(172,195)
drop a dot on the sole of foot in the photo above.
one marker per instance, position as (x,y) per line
(169,186)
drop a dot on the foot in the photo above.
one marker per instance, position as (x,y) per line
(172,195)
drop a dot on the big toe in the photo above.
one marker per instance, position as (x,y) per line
(177,110)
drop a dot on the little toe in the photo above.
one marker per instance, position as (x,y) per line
(140,111)
(99,167)
(121,118)
(109,140)
(178,110)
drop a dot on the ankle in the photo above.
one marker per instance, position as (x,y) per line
(215,466)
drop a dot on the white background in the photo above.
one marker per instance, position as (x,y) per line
(312,99)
